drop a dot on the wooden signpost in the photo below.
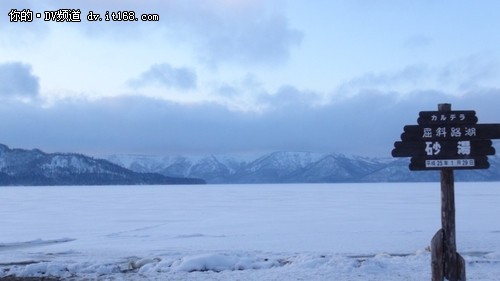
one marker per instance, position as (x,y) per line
(447,140)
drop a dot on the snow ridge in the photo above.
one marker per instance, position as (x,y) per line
(34,167)
(292,167)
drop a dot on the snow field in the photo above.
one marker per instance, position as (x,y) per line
(242,232)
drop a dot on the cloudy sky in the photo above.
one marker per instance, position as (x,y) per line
(238,76)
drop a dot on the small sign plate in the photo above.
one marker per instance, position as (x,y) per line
(448,117)
(465,163)
(449,163)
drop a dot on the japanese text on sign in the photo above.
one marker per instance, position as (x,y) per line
(451,117)
(434,148)
(454,132)
(447,117)
(449,163)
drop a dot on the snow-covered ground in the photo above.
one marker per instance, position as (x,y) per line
(243,232)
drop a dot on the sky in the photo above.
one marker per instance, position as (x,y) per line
(242,76)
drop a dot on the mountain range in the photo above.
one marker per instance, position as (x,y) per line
(34,167)
(293,167)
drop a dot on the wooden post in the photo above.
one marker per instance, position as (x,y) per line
(437,260)
(448,263)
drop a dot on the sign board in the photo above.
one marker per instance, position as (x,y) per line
(440,149)
(449,117)
(422,163)
(451,132)
(447,140)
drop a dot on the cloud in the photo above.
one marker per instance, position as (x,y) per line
(17,80)
(418,41)
(289,96)
(469,74)
(165,75)
(249,94)
(396,81)
(220,31)
(367,124)
(20,34)
(216,31)
(227,91)
(255,38)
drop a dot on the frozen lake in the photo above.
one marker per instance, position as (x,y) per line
(252,232)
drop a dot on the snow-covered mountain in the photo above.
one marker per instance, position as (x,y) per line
(34,167)
(293,167)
